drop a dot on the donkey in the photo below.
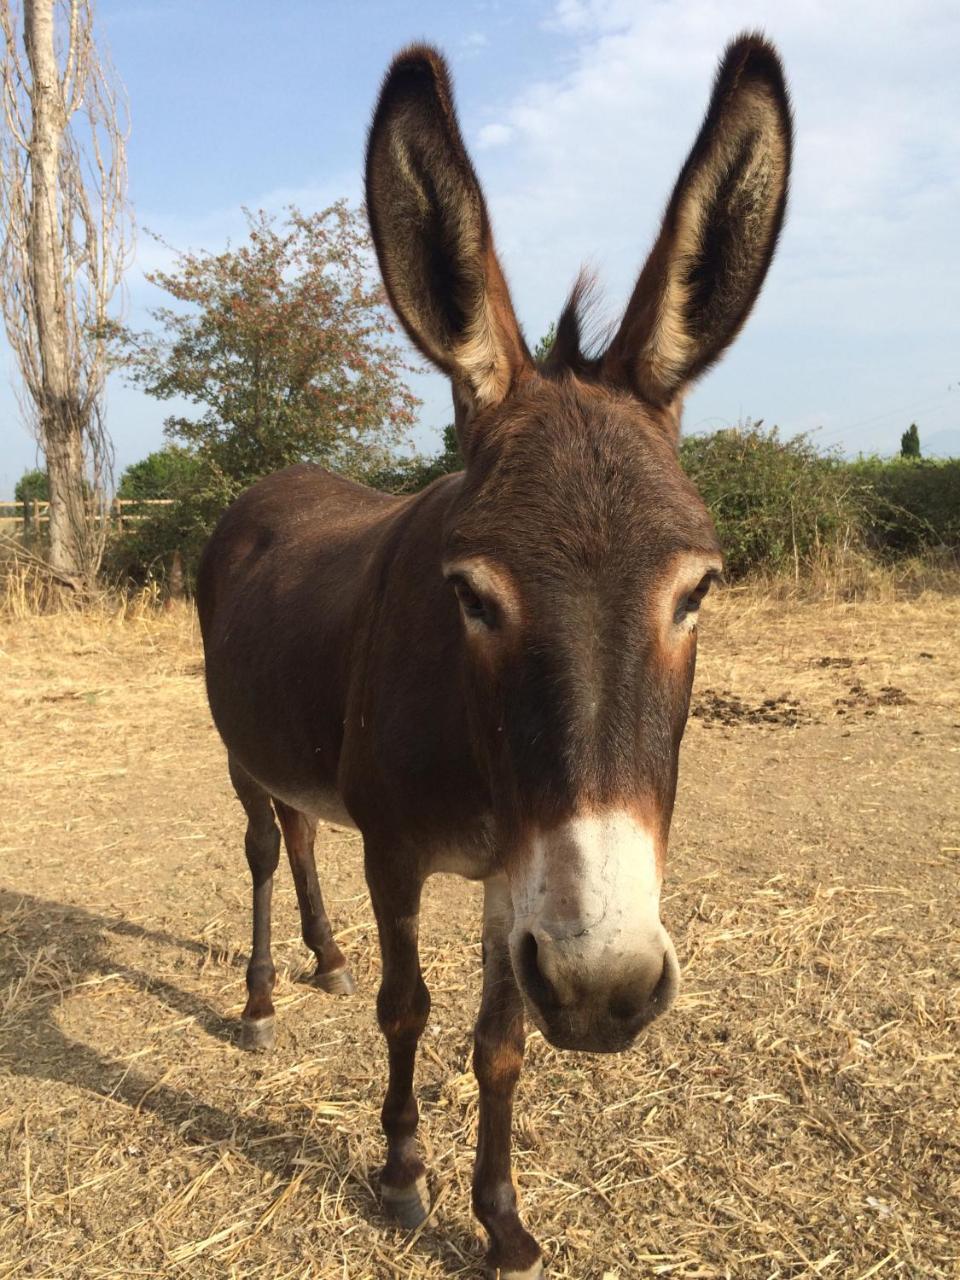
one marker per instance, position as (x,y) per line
(493,677)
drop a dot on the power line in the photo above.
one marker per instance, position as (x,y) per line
(911,410)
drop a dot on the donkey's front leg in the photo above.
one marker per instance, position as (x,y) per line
(403,1004)
(497,1059)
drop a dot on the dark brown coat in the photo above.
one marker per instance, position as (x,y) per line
(493,677)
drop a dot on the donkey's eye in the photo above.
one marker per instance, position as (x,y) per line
(691,602)
(472,605)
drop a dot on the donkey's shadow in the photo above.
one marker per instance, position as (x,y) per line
(33,1044)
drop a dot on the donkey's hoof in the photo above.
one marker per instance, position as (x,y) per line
(408,1206)
(338,982)
(257,1034)
(536,1272)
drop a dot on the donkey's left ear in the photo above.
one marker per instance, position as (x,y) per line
(718,235)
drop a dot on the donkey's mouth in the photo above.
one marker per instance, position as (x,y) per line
(579,1031)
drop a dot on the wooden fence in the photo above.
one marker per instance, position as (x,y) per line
(34,514)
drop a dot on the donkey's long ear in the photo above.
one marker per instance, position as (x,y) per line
(718,235)
(432,234)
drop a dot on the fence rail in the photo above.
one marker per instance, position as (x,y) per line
(35,513)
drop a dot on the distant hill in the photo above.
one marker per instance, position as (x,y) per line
(942,444)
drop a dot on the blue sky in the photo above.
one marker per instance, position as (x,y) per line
(579,114)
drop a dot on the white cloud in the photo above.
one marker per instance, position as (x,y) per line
(494,135)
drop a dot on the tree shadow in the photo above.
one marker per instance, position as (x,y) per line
(32,1044)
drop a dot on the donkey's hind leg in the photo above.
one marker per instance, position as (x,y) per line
(299,833)
(262,846)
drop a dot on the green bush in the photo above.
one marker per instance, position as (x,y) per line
(776,503)
(915,503)
(144,551)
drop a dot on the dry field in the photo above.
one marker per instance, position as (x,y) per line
(795,1115)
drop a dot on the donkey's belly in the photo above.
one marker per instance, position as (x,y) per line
(321,803)
(473,862)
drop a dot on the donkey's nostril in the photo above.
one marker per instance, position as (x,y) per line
(538,986)
(629,1004)
(643,999)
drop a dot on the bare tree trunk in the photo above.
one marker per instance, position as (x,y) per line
(65,223)
(61,428)
(68,505)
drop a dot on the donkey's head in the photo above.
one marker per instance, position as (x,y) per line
(577,552)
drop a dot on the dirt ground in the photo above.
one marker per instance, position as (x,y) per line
(796,1114)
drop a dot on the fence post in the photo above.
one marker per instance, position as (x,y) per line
(175,583)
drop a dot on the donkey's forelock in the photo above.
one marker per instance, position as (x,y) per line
(580,335)
(587,463)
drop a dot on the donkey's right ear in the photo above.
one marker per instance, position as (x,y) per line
(432,234)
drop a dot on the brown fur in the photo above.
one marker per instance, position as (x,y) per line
(450,723)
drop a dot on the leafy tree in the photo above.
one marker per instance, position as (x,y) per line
(284,346)
(910,442)
(165,473)
(33,486)
(286,350)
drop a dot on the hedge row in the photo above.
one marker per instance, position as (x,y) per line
(778,504)
(914,503)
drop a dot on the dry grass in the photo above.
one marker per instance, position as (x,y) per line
(27,591)
(850,575)
(796,1115)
